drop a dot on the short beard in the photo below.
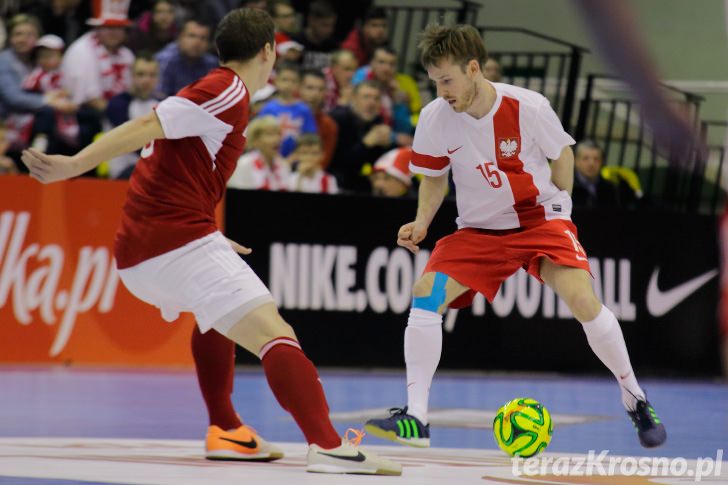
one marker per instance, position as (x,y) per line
(468,99)
(474,95)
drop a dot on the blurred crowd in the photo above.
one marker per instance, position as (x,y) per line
(336,116)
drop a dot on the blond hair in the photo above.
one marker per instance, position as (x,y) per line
(308,139)
(261,124)
(458,43)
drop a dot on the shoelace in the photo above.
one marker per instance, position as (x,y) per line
(397,411)
(636,398)
(358,436)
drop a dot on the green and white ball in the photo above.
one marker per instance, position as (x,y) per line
(522,427)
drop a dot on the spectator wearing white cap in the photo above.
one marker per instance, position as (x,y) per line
(57,125)
(96,67)
(390,175)
(16,63)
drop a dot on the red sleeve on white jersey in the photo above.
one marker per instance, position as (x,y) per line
(549,134)
(428,151)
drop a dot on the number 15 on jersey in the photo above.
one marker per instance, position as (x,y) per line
(490,173)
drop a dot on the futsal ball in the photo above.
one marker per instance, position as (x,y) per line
(522,427)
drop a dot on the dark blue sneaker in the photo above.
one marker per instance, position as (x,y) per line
(650,429)
(400,427)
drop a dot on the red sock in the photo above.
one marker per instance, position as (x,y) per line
(295,383)
(214,356)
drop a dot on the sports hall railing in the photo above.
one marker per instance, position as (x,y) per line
(610,116)
(715,133)
(553,73)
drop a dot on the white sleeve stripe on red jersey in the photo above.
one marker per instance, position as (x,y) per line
(232,102)
(225,100)
(222,96)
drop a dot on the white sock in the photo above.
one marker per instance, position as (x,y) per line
(606,340)
(422,348)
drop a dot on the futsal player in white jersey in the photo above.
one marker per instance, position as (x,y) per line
(514,211)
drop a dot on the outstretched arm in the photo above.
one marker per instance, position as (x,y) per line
(126,138)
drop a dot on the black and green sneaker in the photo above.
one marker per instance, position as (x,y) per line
(650,429)
(400,427)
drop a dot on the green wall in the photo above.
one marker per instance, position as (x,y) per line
(687,38)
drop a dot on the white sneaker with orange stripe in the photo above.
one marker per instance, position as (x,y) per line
(242,444)
(349,458)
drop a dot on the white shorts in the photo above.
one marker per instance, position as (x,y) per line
(205,277)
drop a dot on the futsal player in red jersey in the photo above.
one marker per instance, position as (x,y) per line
(170,253)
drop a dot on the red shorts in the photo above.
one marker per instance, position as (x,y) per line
(482,259)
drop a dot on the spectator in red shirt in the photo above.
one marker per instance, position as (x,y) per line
(363,40)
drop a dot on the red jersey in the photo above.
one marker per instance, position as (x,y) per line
(179,180)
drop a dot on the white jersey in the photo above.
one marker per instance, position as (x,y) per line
(499,162)
(90,71)
(253,172)
(318,183)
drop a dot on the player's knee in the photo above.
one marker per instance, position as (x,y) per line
(259,327)
(280,328)
(423,286)
(584,305)
(429,292)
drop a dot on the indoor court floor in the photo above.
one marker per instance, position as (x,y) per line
(61,425)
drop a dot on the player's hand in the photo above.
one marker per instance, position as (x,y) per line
(238,248)
(49,168)
(410,235)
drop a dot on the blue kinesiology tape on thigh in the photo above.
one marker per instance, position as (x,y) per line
(436,298)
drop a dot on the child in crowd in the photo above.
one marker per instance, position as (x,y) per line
(262,168)
(390,175)
(294,115)
(309,175)
(45,78)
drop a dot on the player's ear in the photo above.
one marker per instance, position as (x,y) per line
(268,50)
(473,68)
